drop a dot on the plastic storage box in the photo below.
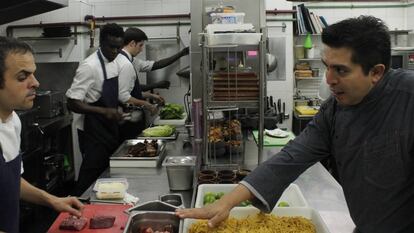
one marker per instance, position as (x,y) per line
(234,38)
(239,213)
(227,18)
(292,194)
(110,188)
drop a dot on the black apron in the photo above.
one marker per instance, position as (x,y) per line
(100,136)
(9,194)
(130,130)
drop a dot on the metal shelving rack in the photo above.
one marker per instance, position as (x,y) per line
(202,86)
(233,101)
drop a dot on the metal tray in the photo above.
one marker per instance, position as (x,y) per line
(171,137)
(157,220)
(122,151)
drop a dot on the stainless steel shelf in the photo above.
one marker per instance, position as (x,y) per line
(33,38)
(311,78)
(47,38)
(232,103)
(310,59)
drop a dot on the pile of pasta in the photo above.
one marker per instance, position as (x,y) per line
(260,223)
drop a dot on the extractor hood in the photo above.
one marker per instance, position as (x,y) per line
(12,10)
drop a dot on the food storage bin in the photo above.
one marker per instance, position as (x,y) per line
(174,199)
(245,212)
(155,220)
(292,194)
(155,205)
(110,188)
(227,18)
(234,38)
(180,171)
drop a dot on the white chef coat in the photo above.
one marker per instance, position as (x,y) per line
(127,76)
(143,65)
(10,137)
(88,81)
(128,73)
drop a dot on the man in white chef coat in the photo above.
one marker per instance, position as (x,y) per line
(17,91)
(94,93)
(129,86)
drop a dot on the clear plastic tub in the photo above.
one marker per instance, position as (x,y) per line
(111,188)
(227,18)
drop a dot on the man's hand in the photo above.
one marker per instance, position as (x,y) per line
(185,51)
(112,114)
(220,209)
(158,99)
(215,213)
(67,204)
(151,108)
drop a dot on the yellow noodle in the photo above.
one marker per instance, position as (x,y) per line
(260,223)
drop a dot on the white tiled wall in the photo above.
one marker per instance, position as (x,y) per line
(410,23)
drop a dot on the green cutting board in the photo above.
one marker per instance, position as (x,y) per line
(272,141)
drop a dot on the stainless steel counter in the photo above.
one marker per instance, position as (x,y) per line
(319,188)
(148,183)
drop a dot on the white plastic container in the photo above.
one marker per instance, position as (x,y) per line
(234,38)
(308,213)
(176,122)
(292,195)
(110,188)
(227,18)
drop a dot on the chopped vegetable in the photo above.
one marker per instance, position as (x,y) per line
(211,197)
(159,131)
(283,204)
(219,195)
(172,111)
(245,203)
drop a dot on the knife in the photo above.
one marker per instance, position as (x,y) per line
(267,103)
(279,110)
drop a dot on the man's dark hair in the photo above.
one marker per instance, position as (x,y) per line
(110,29)
(368,38)
(10,45)
(134,34)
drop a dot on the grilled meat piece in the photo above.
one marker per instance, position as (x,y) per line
(101,222)
(137,150)
(73,223)
(146,149)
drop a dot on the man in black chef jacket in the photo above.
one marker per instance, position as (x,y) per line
(367,125)
(17,91)
(94,94)
(129,86)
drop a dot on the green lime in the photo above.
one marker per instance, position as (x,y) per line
(219,195)
(209,198)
